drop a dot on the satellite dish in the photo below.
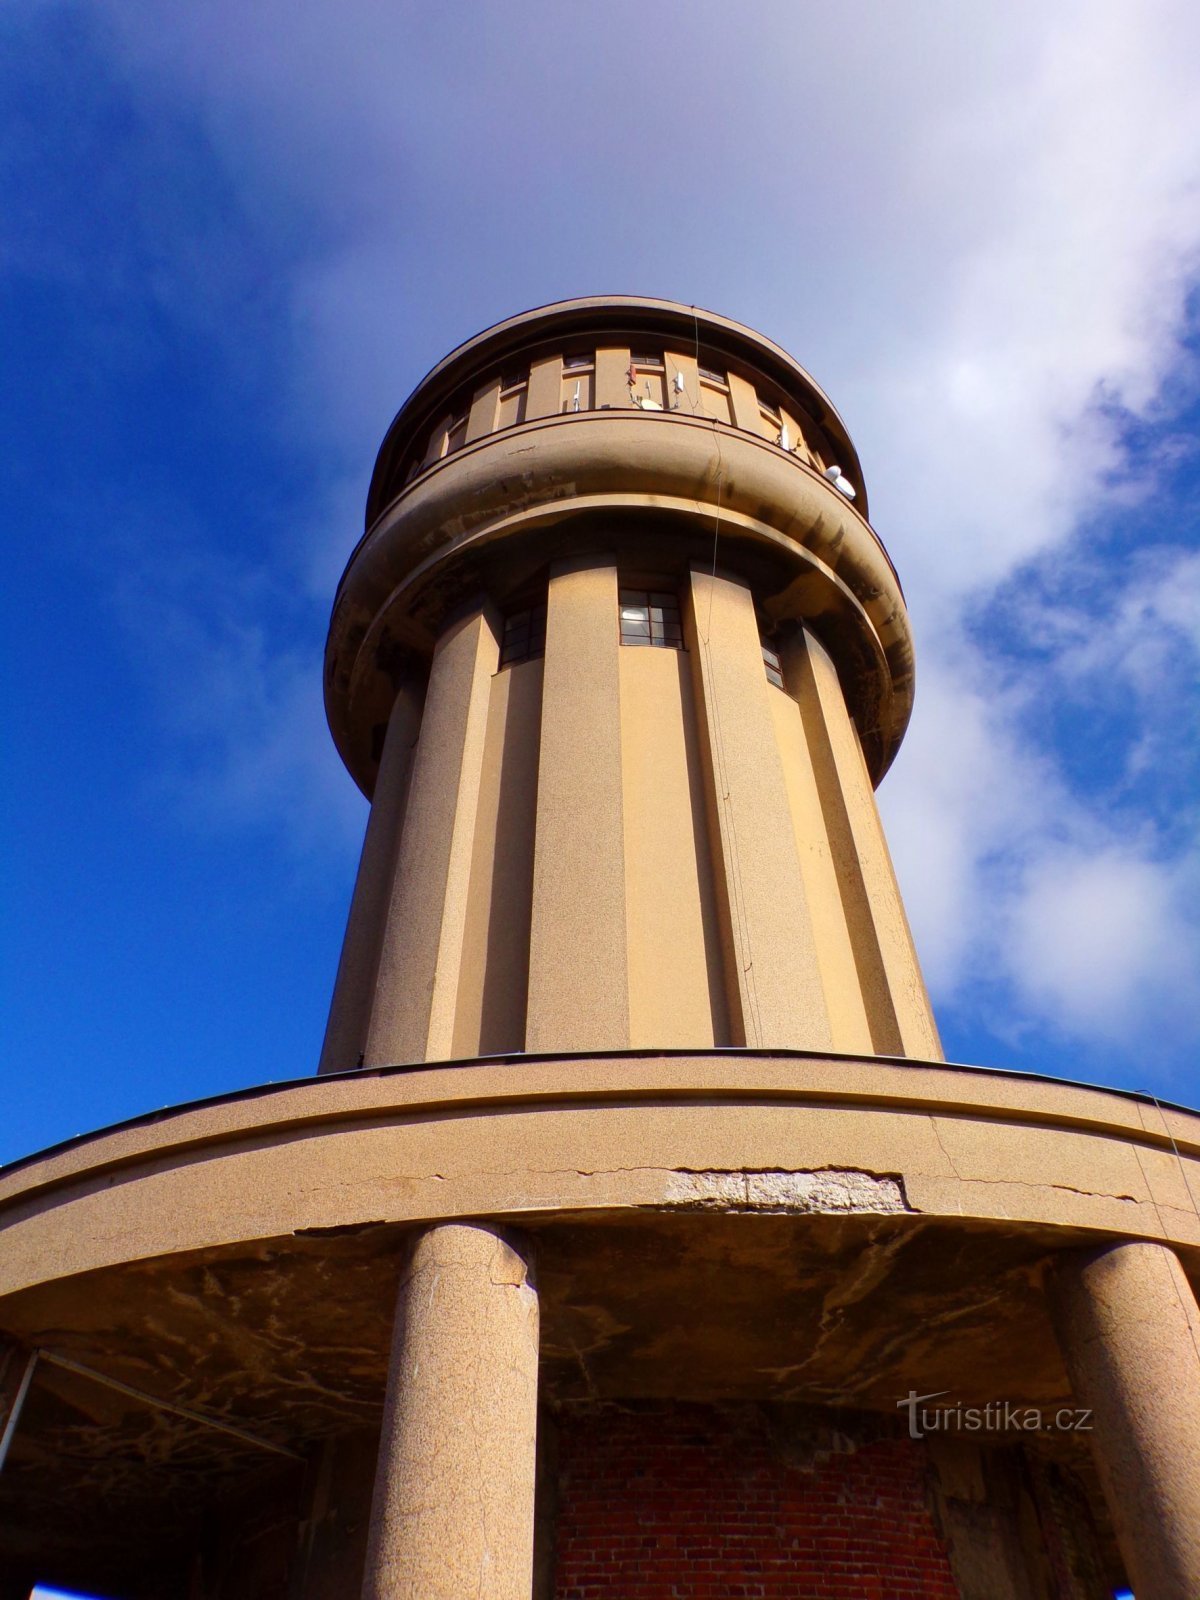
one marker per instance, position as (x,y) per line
(840,481)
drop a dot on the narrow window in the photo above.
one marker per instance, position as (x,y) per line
(773,665)
(456,435)
(650,617)
(524,636)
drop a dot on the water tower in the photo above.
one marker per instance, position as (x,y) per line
(634,1237)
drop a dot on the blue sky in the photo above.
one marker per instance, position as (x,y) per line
(234,237)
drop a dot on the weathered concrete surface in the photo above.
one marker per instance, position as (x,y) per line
(588,1134)
(454,1489)
(1130,1332)
(772,1289)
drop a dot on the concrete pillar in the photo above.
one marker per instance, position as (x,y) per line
(421,956)
(1129,1329)
(893,990)
(578,970)
(353,991)
(454,1489)
(612,378)
(773,975)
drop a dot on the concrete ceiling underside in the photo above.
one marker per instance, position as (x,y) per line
(289,1340)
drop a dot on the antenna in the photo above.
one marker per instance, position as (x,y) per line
(840,482)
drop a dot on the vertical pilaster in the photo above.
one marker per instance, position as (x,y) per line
(354,988)
(421,954)
(897,1002)
(612,378)
(744,401)
(772,972)
(1129,1329)
(481,420)
(453,1510)
(544,396)
(578,968)
(822,869)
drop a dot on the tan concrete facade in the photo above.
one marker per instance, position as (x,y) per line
(631,1092)
(706,865)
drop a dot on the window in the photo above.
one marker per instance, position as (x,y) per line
(524,636)
(773,665)
(456,434)
(650,617)
(710,375)
(572,363)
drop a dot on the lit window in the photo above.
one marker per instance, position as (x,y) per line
(524,636)
(651,618)
(773,665)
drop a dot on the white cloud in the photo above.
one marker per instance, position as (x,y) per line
(1101,943)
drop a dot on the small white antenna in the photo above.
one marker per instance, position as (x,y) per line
(785,438)
(575,402)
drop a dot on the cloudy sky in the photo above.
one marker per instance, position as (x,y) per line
(234,236)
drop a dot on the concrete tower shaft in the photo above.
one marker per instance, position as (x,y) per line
(577,844)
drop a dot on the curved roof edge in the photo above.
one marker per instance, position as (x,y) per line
(782,1052)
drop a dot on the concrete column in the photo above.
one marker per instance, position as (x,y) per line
(454,1490)
(773,977)
(421,955)
(1129,1329)
(578,969)
(485,406)
(544,395)
(744,400)
(612,378)
(350,1010)
(889,974)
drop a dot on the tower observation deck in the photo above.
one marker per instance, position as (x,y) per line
(634,1238)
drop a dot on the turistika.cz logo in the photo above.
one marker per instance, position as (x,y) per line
(997,1416)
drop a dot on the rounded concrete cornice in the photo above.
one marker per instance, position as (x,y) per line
(719,1131)
(426,549)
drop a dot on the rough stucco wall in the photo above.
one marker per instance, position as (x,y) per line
(676,986)
(688,1502)
(490,1011)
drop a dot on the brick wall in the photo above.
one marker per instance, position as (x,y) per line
(690,1502)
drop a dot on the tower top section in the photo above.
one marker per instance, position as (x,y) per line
(729,346)
(666,435)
